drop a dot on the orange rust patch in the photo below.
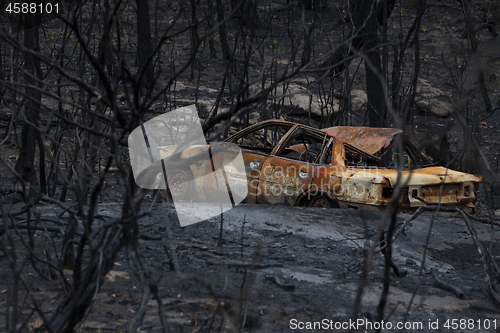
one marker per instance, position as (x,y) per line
(369,139)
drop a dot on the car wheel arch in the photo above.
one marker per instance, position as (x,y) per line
(306,198)
(187,188)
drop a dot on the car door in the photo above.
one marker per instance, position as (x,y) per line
(290,170)
(253,165)
(256,145)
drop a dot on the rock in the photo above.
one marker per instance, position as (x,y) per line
(275,7)
(298,100)
(254,117)
(12,199)
(426,90)
(434,107)
(490,48)
(410,261)
(303,80)
(359,100)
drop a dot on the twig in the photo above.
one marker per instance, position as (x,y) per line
(286,234)
(248,265)
(489,285)
(44,228)
(451,208)
(282,285)
(446,286)
(152,238)
(139,317)
(7,133)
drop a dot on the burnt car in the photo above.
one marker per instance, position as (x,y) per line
(339,167)
(356,167)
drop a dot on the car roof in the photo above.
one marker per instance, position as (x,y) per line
(309,128)
(369,139)
(276,122)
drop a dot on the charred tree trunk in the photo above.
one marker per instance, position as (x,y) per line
(365,21)
(144,48)
(471,34)
(313,4)
(246,12)
(365,39)
(340,58)
(408,115)
(210,25)
(30,135)
(226,51)
(194,37)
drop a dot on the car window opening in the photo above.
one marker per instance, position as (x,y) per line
(355,158)
(261,140)
(411,157)
(388,158)
(305,147)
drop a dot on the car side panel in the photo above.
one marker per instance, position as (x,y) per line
(283,180)
(253,165)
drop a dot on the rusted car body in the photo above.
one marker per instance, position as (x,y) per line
(355,167)
(293,164)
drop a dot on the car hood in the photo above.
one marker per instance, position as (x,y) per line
(370,139)
(429,176)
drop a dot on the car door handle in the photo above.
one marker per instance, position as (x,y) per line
(303,174)
(254,164)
